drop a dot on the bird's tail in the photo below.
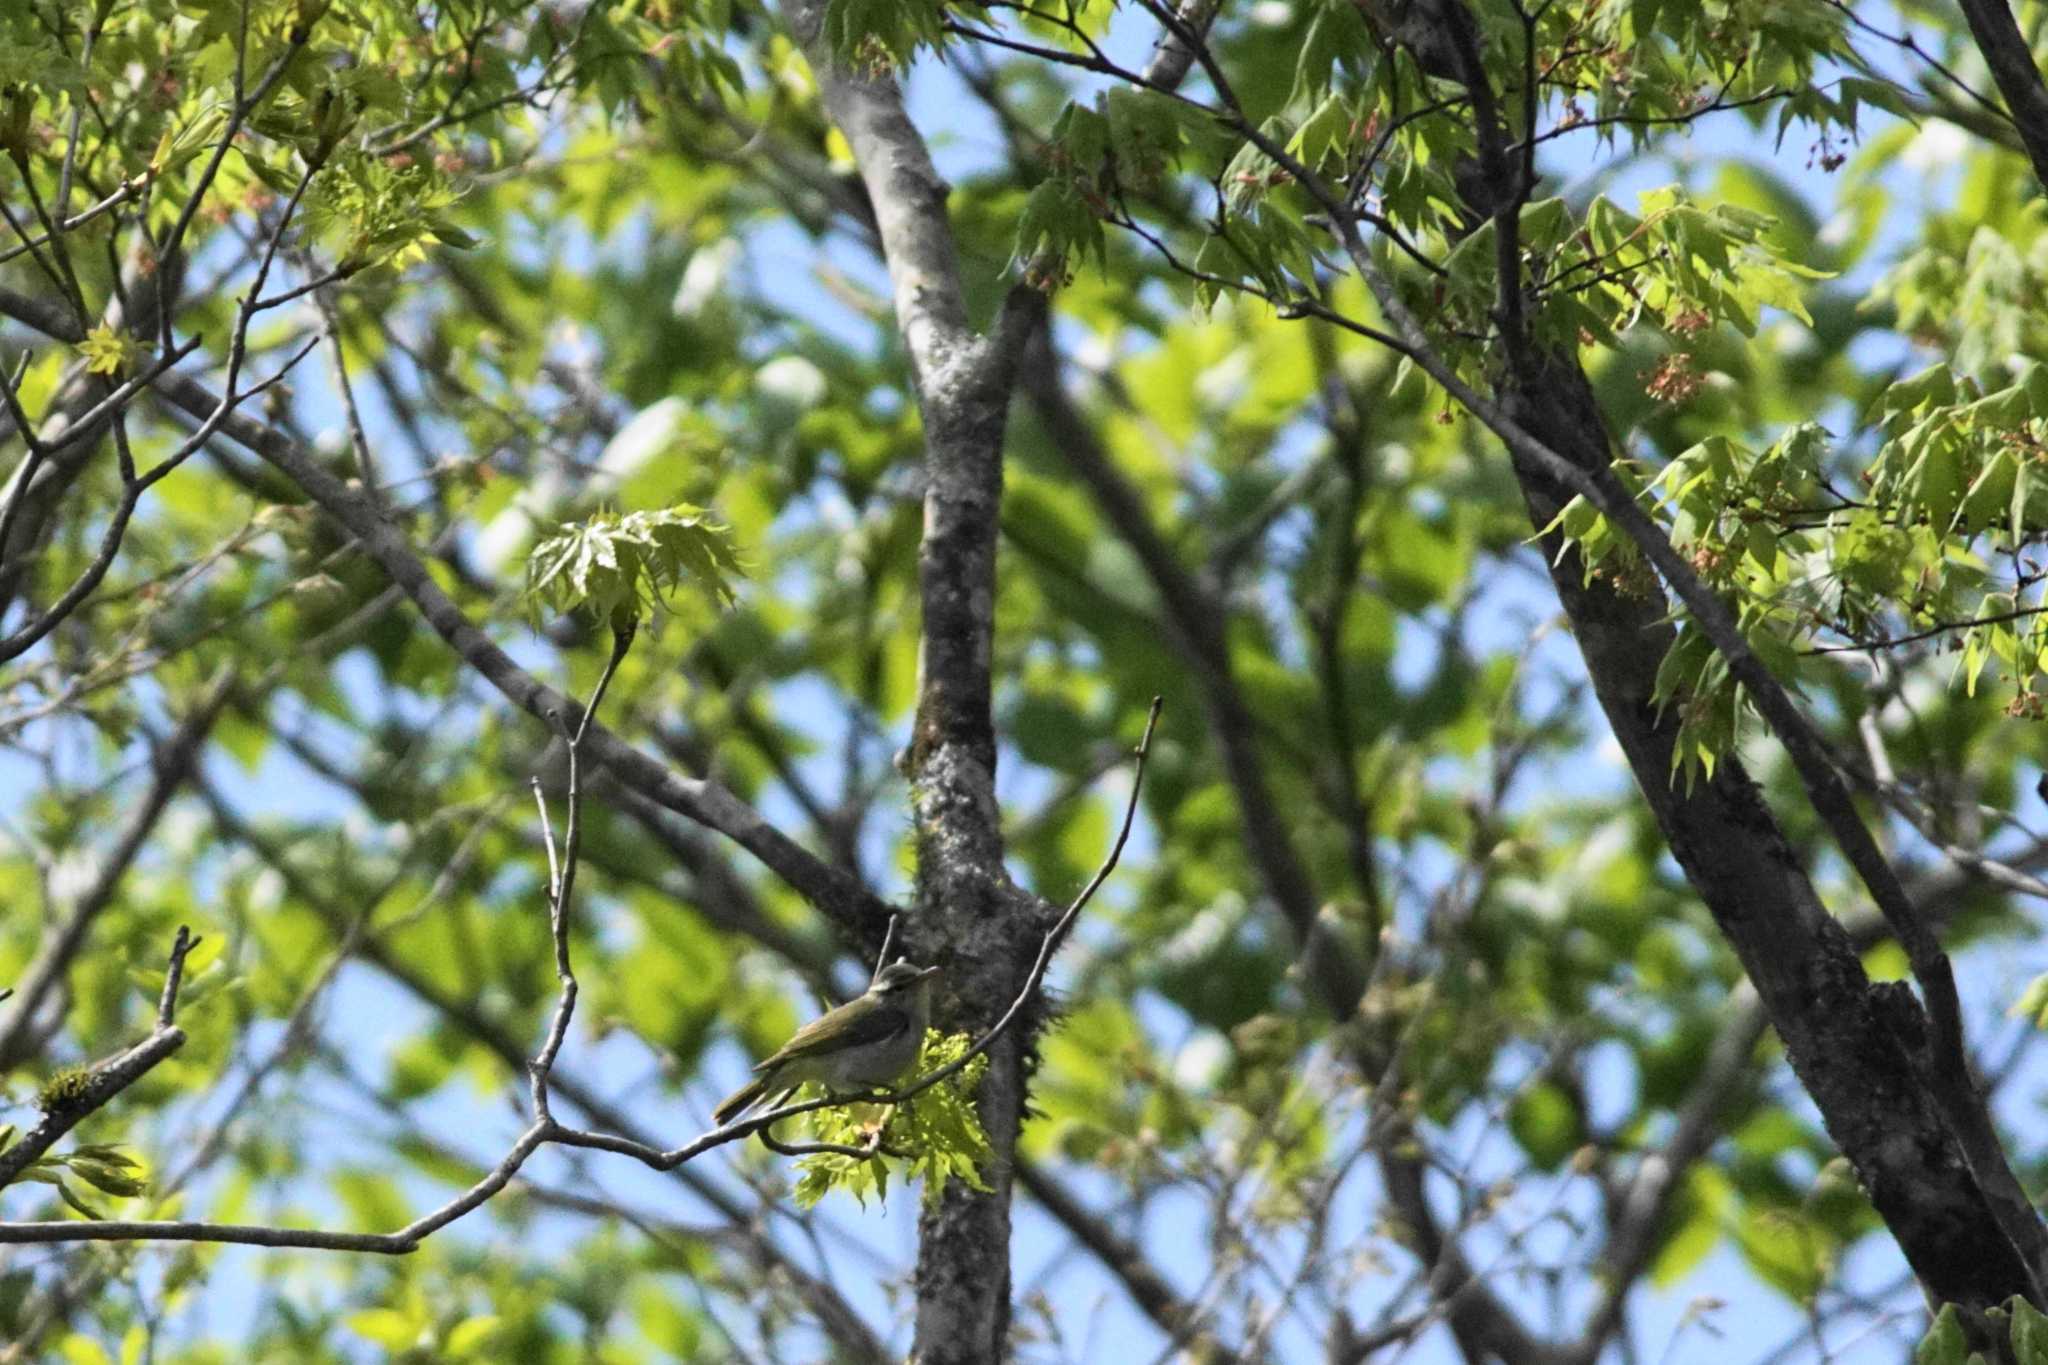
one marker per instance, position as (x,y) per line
(739,1101)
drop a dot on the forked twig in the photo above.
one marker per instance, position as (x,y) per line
(562,879)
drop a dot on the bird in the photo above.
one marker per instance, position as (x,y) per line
(865,1042)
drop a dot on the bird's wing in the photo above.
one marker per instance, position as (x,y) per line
(872,1027)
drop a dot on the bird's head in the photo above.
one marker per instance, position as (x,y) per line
(901,976)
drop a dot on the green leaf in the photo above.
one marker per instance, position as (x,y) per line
(111,350)
(1325,134)
(2033,1002)
(446,232)
(1544,224)
(1944,1343)
(71,1197)
(2029,1332)
(618,567)
(469,1335)
(107,1177)
(1546,1123)
(386,1327)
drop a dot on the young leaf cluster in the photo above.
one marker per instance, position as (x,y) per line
(1937,544)
(937,1135)
(1947,1344)
(371,211)
(621,566)
(1673,265)
(1730,510)
(104,1166)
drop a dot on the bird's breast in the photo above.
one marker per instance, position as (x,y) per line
(877,1063)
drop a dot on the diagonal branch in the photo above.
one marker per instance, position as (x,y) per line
(833,891)
(2011,60)
(1945,1067)
(1941,1063)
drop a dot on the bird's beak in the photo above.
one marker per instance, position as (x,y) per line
(929,972)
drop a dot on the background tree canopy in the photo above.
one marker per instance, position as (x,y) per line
(1574,474)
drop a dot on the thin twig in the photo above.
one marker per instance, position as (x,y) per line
(562,880)
(167,1004)
(865,1151)
(888,942)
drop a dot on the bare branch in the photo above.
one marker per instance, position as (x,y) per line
(115,1230)
(562,881)
(888,941)
(174,978)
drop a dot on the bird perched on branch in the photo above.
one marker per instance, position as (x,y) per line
(864,1043)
